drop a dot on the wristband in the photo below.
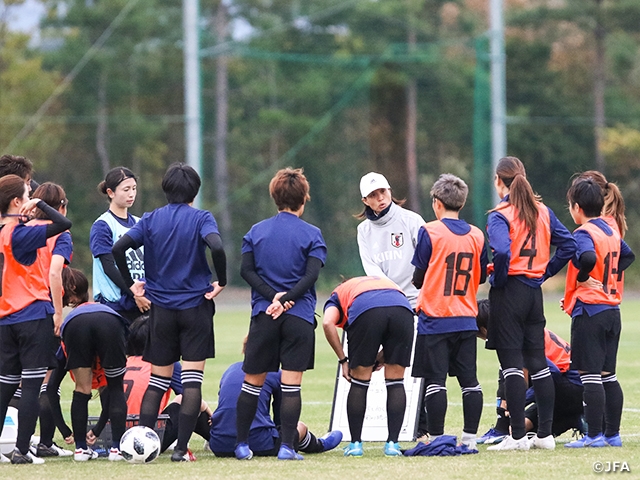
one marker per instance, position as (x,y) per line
(343,361)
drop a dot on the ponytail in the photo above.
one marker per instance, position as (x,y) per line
(511,171)
(522,197)
(614,207)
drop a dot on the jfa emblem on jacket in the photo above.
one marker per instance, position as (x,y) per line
(397,240)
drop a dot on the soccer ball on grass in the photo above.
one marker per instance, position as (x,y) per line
(140,445)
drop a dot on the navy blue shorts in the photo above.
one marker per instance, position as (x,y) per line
(451,353)
(594,341)
(389,327)
(98,334)
(288,341)
(27,345)
(516,317)
(175,334)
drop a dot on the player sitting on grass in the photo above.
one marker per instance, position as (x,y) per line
(264,436)
(592,300)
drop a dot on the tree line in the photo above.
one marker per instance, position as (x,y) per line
(340,88)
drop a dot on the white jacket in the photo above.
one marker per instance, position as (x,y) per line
(386,247)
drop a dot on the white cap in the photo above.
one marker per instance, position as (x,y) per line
(372,181)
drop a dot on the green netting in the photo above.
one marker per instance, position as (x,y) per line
(340,116)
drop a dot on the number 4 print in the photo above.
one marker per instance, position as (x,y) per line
(531,251)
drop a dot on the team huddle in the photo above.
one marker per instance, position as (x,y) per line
(149,327)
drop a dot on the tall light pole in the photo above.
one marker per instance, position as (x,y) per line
(192,94)
(498,85)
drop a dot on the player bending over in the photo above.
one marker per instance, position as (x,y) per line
(374,312)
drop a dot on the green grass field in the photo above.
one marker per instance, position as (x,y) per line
(231,324)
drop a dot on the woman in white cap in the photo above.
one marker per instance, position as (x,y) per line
(387,239)
(388,235)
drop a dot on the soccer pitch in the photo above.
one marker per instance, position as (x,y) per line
(231,324)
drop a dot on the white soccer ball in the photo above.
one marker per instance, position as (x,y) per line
(140,445)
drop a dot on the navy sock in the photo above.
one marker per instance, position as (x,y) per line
(8,385)
(502,423)
(310,444)
(246,410)
(545,393)
(29,407)
(190,406)
(54,401)
(614,400)
(396,403)
(79,415)
(436,401)
(202,426)
(593,399)
(515,395)
(47,425)
(290,409)
(471,407)
(356,407)
(117,405)
(152,398)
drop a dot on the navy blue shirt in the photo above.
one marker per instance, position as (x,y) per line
(176,270)
(263,430)
(88,309)
(500,243)
(101,236)
(585,244)
(64,246)
(368,300)
(281,246)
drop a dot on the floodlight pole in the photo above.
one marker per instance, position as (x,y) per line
(192,87)
(498,86)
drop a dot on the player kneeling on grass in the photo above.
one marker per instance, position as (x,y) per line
(374,312)
(450,261)
(592,300)
(264,436)
(93,330)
